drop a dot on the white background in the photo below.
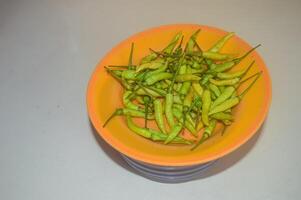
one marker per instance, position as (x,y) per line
(48,50)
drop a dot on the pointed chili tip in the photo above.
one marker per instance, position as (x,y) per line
(118,111)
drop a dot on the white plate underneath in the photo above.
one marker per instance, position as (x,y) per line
(167,174)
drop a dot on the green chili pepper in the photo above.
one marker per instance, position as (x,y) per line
(115,72)
(159,115)
(139,99)
(191,42)
(190,120)
(220,43)
(158,77)
(215,90)
(190,126)
(231,75)
(187,77)
(206,99)
(146,91)
(188,98)
(197,88)
(221,88)
(199,125)
(149,58)
(172,43)
(177,99)
(222,116)
(128,74)
(223,66)
(250,86)
(176,129)
(207,133)
(224,96)
(146,100)
(157,136)
(168,109)
(129,112)
(197,71)
(160,69)
(127,101)
(206,78)
(178,107)
(140,131)
(150,65)
(157,90)
(215,56)
(224,82)
(224,105)
(229,64)
(186,85)
(119,79)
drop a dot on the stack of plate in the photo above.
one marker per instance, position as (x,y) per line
(167,174)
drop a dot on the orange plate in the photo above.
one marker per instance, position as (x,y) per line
(104,96)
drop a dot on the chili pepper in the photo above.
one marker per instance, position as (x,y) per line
(221,88)
(150,65)
(169,99)
(121,81)
(146,100)
(233,101)
(197,88)
(145,91)
(139,99)
(158,77)
(140,131)
(129,112)
(149,58)
(207,133)
(188,98)
(224,82)
(229,64)
(186,85)
(172,43)
(222,116)
(157,136)
(177,99)
(178,107)
(160,69)
(159,115)
(187,77)
(127,101)
(179,115)
(206,99)
(128,74)
(215,90)
(168,109)
(175,130)
(199,125)
(215,56)
(231,75)
(206,78)
(224,96)
(198,71)
(191,42)
(224,105)
(157,90)
(221,42)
